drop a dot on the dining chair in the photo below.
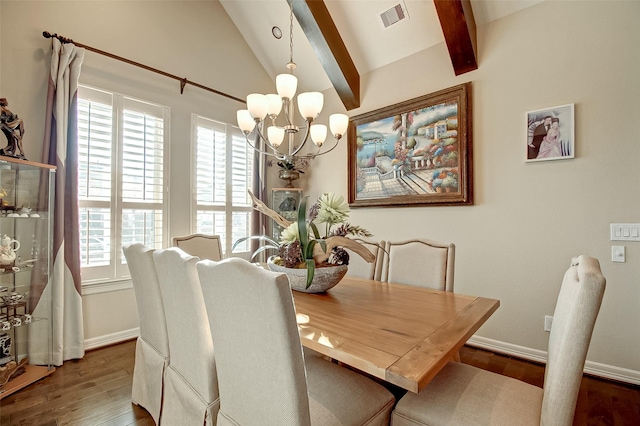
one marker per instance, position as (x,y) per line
(202,245)
(465,395)
(152,346)
(261,368)
(191,386)
(419,262)
(359,268)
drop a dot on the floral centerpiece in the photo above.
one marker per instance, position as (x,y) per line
(301,244)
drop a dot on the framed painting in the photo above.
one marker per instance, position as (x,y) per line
(551,133)
(414,153)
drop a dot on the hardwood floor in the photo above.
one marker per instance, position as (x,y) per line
(96,390)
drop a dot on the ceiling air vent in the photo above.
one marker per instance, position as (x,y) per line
(394,15)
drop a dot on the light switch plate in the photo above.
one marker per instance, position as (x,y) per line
(617,254)
(625,232)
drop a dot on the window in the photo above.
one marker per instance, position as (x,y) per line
(122,179)
(223,173)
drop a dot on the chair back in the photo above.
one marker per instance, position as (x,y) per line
(359,268)
(258,351)
(201,245)
(575,315)
(146,288)
(190,342)
(419,262)
(152,346)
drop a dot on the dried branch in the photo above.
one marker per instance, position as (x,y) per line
(262,208)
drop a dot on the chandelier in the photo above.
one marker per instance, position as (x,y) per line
(274,115)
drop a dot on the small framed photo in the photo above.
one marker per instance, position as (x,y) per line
(551,133)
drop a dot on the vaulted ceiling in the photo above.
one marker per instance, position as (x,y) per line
(336,41)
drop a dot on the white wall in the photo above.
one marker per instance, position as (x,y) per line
(193,39)
(529,219)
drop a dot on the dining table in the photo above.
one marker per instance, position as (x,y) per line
(398,333)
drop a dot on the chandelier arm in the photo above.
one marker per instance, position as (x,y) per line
(273,154)
(306,137)
(317,154)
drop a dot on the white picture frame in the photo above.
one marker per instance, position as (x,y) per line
(556,141)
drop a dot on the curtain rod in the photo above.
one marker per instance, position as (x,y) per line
(183,81)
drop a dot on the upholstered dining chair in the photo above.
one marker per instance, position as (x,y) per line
(191,386)
(419,262)
(202,245)
(152,346)
(261,369)
(464,395)
(359,268)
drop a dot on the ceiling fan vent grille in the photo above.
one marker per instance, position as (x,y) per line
(394,15)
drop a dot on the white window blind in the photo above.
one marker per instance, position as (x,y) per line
(121,144)
(223,173)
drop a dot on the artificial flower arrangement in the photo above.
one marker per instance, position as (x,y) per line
(302,246)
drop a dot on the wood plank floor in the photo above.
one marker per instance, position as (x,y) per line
(96,390)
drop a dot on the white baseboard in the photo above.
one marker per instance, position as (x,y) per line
(111,339)
(594,368)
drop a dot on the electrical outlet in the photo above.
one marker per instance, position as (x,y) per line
(548,321)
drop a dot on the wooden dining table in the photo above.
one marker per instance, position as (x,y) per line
(401,334)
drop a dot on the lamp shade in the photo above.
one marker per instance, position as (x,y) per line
(275,135)
(275,104)
(338,123)
(310,104)
(318,133)
(286,85)
(245,121)
(257,104)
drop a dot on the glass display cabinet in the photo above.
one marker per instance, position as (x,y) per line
(26,196)
(285,202)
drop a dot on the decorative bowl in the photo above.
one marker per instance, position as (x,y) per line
(323,278)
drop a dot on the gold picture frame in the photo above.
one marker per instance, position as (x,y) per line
(414,153)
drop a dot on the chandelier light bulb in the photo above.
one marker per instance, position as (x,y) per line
(275,104)
(310,104)
(245,120)
(275,135)
(338,123)
(286,85)
(318,134)
(257,104)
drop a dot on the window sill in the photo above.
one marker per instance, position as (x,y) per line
(97,287)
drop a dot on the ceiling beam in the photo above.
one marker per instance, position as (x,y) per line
(321,31)
(459,28)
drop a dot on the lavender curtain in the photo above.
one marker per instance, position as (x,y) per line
(61,298)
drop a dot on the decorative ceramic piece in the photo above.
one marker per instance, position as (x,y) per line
(323,278)
(8,248)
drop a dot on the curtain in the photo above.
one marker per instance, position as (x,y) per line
(259,224)
(61,298)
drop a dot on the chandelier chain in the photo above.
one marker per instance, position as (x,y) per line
(291,32)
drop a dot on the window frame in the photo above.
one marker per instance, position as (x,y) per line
(228,208)
(117,271)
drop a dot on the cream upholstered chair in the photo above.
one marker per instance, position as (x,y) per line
(359,268)
(464,395)
(191,385)
(201,245)
(261,369)
(152,346)
(419,262)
